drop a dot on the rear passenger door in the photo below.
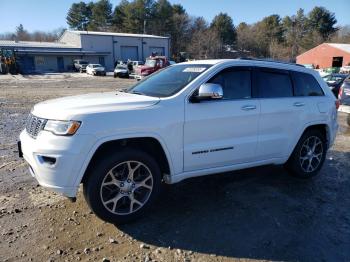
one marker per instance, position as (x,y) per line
(282,113)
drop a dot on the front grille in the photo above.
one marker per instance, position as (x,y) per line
(34,125)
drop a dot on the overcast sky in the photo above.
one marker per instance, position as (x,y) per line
(46,15)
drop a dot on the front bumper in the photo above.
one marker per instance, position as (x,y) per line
(68,154)
(99,73)
(121,74)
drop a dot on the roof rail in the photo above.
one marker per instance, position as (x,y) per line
(269,60)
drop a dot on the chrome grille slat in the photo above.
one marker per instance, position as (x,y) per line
(34,125)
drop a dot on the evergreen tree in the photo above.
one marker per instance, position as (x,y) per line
(101,17)
(22,34)
(223,25)
(323,22)
(79,15)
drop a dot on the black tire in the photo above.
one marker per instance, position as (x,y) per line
(296,166)
(81,70)
(348,119)
(96,176)
(115,75)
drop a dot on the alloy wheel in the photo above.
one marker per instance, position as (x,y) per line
(126,187)
(311,154)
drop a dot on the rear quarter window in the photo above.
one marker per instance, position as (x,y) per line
(306,85)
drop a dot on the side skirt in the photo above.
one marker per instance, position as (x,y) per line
(172,179)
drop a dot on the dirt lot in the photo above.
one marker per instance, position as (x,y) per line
(256,214)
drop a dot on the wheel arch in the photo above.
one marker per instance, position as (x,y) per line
(149,144)
(323,127)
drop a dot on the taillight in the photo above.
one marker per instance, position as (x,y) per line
(340,94)
(337,104)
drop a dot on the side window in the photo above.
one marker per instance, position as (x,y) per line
(274,83)
(306,85)
(236,83)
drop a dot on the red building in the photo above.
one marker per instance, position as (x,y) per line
(326,55)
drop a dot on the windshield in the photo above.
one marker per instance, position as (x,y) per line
(94,66)
(150,63)
(169,81)
(83,62)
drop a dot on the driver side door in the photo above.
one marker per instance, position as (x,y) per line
(223,132)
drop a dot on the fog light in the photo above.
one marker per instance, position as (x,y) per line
(47,160)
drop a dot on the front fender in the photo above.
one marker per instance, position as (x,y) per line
(105,139)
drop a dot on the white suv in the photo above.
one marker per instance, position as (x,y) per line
(190,119)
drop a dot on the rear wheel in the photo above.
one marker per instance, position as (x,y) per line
(309,155)
(121,188)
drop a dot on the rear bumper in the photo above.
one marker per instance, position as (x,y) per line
(68,154)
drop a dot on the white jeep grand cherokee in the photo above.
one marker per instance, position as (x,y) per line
(190,119)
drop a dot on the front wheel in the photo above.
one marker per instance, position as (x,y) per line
(121,187)
(308,155)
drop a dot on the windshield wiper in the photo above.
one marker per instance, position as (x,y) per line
(138,93)
(123,90)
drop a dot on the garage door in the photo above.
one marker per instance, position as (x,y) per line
(157,50)
(129,52)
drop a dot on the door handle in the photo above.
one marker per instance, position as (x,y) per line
(248,107)
(298,104)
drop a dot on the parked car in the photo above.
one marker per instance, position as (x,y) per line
(121,71)
(80,65)
(334,82)
(345,69)
(151,65)
(344,92)
(95,69)
(188,120)
(332,70)
(137,63)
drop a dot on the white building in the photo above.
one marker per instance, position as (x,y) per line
(96,47)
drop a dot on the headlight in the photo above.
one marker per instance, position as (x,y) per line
(62,128)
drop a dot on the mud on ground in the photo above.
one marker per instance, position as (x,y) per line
(252,215)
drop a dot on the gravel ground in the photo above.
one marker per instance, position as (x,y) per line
(260,214)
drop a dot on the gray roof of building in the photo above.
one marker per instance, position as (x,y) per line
(343,47)
(115,34)
(60,52)
(32,44)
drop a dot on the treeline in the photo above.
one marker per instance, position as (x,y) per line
(194,37)
(22,34)
(273,36)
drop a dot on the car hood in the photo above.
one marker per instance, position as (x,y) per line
(98,68)
(145,67)
(67,108)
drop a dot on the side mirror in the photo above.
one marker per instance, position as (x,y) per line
(210,91)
